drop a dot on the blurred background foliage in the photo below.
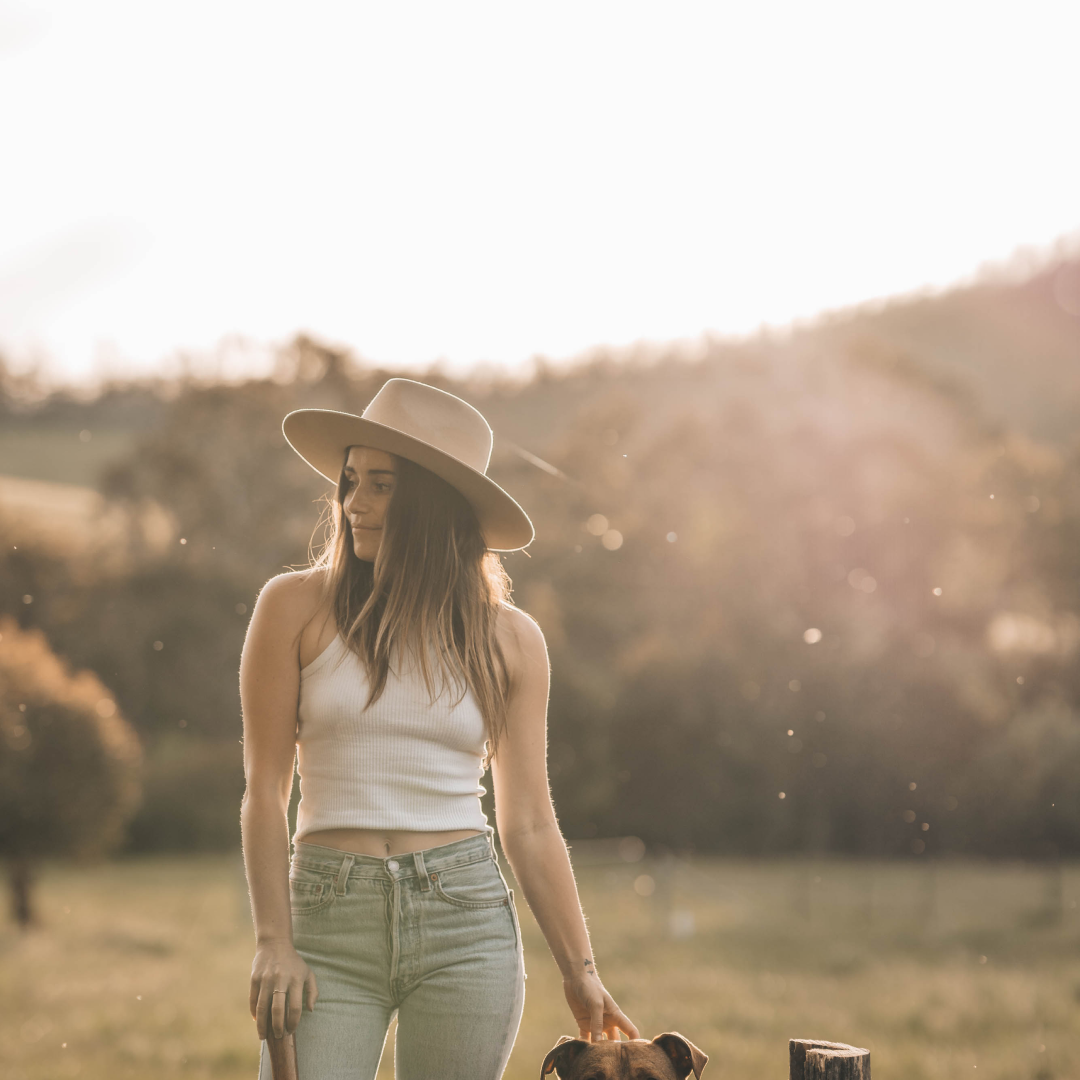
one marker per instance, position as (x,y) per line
(69,763)
(814,592)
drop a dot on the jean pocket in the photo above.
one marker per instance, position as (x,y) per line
(475,885)
(514,918)
(309,892)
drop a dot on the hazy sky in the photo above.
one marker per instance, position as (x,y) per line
(494,181)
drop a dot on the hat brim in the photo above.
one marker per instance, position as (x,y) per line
(320,437)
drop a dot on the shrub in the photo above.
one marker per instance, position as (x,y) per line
(69,762)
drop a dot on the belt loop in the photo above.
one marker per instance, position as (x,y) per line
(421,871)
(491,844)
(343,874)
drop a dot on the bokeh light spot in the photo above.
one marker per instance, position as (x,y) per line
(861,579)
(644,885)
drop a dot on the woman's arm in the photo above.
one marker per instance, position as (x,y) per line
(530,835)
(269,691)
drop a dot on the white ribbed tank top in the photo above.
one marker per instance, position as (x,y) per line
(404,763)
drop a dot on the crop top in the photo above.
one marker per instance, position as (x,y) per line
(403,763)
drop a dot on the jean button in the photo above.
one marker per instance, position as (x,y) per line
(392,865)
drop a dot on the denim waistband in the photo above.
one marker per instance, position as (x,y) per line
(412,864)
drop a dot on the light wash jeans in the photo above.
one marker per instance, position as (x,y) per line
(432,936)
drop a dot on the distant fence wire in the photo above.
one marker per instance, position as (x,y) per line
(540,463)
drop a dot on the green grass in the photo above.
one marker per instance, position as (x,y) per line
(58,454)
(140,968)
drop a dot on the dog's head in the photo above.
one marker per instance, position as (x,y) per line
(667,1057)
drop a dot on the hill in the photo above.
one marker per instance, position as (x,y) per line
(1009,344)
(1014,345)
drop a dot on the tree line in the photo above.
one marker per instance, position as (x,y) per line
(797,598)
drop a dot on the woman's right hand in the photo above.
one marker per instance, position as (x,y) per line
(278,966)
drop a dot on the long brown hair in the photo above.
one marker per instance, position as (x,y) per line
(434,586)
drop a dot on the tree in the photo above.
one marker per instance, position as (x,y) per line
(69,762)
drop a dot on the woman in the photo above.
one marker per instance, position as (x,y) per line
(392,669)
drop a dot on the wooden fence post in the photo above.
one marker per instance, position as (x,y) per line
(813,1059)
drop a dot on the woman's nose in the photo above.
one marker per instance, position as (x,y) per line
(355,502)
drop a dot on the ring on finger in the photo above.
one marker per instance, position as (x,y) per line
(279,992)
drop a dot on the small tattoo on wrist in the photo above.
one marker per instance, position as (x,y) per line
(589,966)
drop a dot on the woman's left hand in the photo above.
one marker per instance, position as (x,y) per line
(594,1008)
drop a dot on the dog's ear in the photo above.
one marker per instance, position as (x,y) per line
(562,1055)
(685,1056)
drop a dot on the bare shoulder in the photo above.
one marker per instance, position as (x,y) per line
(521,639)
(290,600)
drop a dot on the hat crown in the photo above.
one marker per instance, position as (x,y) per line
(440,419)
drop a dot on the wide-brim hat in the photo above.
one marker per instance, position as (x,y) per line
(428,426)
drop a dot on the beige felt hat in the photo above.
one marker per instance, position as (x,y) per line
(431,427)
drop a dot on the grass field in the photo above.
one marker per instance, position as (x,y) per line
(140,967)
(61,453)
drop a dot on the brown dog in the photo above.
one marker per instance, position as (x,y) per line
(667,1057)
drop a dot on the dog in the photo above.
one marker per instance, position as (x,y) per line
(667,1057)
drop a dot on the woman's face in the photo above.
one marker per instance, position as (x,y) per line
(369,482)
